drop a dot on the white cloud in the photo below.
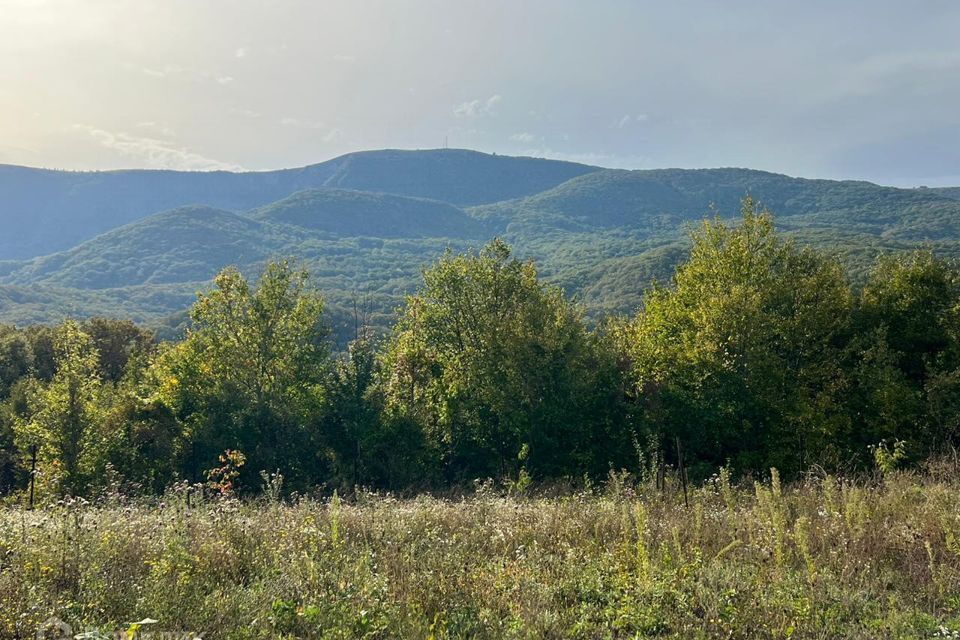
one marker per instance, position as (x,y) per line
(224,79)
(240,53)
(163,72)
(157,128)
(344,58)
(156,154)
(333,135)
(599,159)
(479,108)
(524,137)
(467,109)
(628,119)
(302,124)
(246,113)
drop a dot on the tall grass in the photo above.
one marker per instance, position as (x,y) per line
(821,559)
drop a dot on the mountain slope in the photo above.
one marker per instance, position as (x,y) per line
(457,176)
(43,211)
(663,198)
(347,213)
(183,245)
(949,192)
(603,236)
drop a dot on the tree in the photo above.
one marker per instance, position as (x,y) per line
(63,423)
(117,341)
(739,358)
(351,419)
(16,358)
(361,447)
(250,374)
(908,320)
(495,367)
(43,354)
(913,296)
(13,410)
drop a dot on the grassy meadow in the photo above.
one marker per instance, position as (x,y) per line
(824,558)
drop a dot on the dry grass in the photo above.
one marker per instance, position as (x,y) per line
(822,559)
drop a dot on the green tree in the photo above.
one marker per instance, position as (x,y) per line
(13,463)
(250,374)
(496,368)
(117,341)
(366,447)
(913,297)
(64,412)
(351,419)
(16,358)
(908,349)
(42,339)
(740,358)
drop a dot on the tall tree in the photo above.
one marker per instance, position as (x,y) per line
(16,358)
(495,366)
(64,416)
(117,341)
(908,371)
(739,358)
(250,373)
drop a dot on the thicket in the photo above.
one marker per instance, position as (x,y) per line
(758,353)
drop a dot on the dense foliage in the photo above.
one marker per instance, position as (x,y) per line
(758,352)
(501,373)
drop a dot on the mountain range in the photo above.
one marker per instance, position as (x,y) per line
(139,244)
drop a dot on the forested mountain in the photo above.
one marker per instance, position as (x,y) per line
(43,211)
(175,246)
(759,353)
(606,234)
(366,223)
(950,192)
(659,199)
(347,213)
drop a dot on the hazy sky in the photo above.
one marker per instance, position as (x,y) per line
(853,89)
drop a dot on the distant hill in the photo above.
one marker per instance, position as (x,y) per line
(662,198)
(43,211)
(348,213)
(188,244)
(603,235)
(950,192)
(457,176)
(616,218)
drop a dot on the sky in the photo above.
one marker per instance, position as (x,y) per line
(865,89)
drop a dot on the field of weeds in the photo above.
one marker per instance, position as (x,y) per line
(821,559)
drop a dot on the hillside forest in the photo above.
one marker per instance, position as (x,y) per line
(757,352)
(138,245)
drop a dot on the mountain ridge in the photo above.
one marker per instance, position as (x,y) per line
(602,235)
(47,210)
(351,213)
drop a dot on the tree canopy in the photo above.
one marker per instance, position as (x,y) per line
(758,352)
